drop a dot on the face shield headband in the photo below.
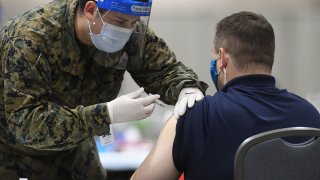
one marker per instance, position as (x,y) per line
(131,7)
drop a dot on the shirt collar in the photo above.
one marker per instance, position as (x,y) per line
(254,80)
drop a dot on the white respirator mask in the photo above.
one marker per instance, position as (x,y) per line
(111,38)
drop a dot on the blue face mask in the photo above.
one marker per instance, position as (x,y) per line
(214,73)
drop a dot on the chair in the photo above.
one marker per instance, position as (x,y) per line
(266,156)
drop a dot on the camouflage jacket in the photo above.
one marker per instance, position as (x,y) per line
(53,90)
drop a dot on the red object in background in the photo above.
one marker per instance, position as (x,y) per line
(181,177)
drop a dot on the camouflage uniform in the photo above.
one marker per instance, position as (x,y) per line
(53,92)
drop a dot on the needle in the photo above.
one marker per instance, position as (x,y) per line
(160,103)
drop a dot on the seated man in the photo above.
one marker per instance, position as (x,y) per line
(203,142)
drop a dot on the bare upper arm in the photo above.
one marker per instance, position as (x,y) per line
(159,163)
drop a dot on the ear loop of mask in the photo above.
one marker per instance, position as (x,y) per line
(224,72)
(225,76)
(101,18)
(218,72)
(90,26)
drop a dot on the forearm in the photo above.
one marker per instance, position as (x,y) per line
(169,81)
(161,73)
(176,79)
(48,126)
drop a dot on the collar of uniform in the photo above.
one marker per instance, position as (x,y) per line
(255,80)
(71,60)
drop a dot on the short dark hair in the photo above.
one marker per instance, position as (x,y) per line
(248,38)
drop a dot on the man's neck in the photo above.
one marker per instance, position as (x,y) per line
(256,69)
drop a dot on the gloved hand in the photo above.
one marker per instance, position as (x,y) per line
(187,97)
(131,107)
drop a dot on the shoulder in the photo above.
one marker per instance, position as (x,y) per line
(205,113)
(42,21)
(196,116)
(303,104)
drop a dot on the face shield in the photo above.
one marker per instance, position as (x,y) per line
(130,14)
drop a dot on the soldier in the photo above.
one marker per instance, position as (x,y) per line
(62,68)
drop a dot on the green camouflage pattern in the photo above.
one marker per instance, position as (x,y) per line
(54,92)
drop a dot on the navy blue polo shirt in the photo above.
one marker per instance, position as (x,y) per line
(208,135)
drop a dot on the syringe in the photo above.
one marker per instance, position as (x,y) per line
(159,103)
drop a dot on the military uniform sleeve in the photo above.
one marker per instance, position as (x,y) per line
(161,73)
(38,119)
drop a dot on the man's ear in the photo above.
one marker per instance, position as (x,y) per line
(90,10)
(224,58)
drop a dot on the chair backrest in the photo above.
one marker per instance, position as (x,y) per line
(266,156)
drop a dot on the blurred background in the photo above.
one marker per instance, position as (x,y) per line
(188,27)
